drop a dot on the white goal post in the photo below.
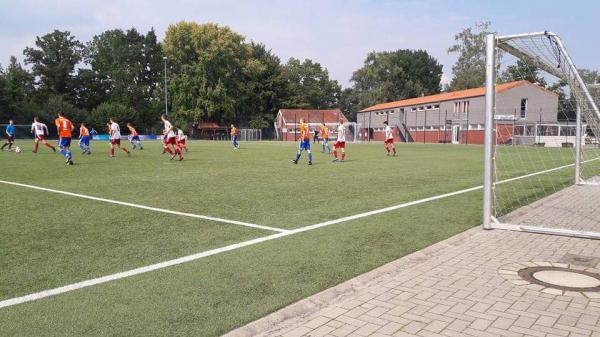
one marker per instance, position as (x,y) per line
(536,166)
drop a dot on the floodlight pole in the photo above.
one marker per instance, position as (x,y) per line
(166,92)
(490,96)
(578,139)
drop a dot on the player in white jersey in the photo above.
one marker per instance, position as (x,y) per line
(340,142)
(40,130)
(182,139)
(389,140)
(114,132)
(169,138)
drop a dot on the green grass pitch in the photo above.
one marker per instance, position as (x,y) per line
(49,240)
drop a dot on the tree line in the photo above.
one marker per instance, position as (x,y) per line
(215,74)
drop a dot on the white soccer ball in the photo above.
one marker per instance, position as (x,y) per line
(17,149)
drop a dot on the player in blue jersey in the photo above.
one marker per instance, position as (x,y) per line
(9,134)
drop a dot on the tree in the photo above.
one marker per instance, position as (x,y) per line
(17,93)
(394,75)
(309,85)
(119,112)
(53,61)
(523,70)
(469,70)
(125,67)
(207,66)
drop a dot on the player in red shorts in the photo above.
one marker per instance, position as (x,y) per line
(169,138)
(114,132)
(340,142)
(40,130)
(389,139)
(181,139)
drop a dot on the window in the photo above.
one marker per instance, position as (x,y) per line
(421,108)
(436,107)
(413,109)
(455,107)
(391,112)
(524,107)
(429,107)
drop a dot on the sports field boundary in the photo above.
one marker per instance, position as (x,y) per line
(232,247)
(149,208)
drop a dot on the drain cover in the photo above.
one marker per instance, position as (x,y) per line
(562,278)
(554,278)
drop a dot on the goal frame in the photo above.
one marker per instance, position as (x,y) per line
(492,42)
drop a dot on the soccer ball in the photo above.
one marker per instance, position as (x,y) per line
(17,149)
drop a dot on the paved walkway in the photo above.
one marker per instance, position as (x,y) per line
(454,288)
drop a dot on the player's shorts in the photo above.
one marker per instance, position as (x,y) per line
(340,145)
(305,144)
(234,138)
(135,138)
(389,141)
(325,140)
(115,141)
(10,139)
(65,142)
(85,140)
(170,141)
(40,138)
(181,141)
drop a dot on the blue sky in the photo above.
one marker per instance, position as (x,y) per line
(336,33)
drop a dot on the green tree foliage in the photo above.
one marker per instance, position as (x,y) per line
(119,112)
(207,66)
(523,70)
(469,70)
(309,85)
(53,61)
(125,67)
(394,75)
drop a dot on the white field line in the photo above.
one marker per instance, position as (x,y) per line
(155,209)
(197,256)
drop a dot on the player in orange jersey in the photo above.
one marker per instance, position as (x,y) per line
(40,130)
(134,137)
(304,142)
(84,139)
(234,137)
(325,141)
(65,132)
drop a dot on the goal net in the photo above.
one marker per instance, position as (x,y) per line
(542,170)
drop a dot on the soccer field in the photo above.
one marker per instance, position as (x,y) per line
(316,226)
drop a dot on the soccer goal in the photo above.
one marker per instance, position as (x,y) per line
(542,165)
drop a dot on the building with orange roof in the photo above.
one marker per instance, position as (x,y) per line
(458,116)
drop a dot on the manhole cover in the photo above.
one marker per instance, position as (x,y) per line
(554,278)
(562,278)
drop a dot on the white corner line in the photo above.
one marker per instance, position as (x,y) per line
(155,209)
(201,255)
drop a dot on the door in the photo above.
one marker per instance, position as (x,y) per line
(455,134)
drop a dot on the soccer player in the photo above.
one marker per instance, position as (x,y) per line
(389,139)
(65,132)
(114,133)
(234,137)
(169,138)
(340,143)
(304,143)
(40,130)
(9,134)
(135,137)
(181,139)
(84,139)
(325,135)
(57,124)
